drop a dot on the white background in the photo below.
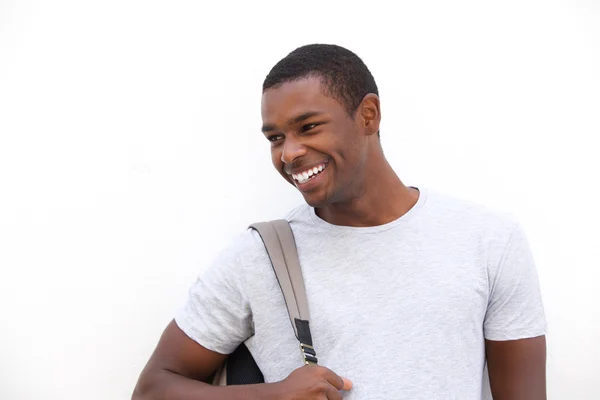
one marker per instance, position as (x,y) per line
(130,152)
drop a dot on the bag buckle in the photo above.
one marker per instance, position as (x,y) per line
(308,354)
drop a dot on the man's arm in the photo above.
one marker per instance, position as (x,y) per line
(177,368)
(517,368)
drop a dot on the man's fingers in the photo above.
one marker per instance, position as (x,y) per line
(333,394)
(332,378)
(336,381)
(347,384)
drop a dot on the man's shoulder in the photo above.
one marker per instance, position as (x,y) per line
(243,248)
(247,246)
(468,213)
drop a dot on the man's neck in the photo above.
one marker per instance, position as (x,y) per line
(382,201)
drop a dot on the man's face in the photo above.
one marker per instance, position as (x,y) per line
(315,144)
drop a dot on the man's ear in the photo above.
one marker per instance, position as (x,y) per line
(369,113)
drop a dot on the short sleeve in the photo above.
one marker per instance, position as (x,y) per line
(515,308)
(217,313)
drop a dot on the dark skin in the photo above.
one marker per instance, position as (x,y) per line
(359,187)
(517,368)
(308,128)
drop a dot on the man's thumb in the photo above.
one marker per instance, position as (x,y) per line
(347,384)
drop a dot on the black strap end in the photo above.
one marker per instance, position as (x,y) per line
(303,329)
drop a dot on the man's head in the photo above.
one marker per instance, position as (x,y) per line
(320,111)
(344,75)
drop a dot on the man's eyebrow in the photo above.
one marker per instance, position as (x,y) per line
(294,120)
(267,128)
(303,117)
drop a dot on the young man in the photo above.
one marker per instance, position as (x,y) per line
(410,291)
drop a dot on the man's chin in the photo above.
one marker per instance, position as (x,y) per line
(315,201)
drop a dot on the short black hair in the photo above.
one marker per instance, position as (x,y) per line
(344,75)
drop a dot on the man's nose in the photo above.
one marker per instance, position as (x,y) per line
(292,149)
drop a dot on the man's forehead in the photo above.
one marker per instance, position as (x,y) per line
(297,90)
(294,97)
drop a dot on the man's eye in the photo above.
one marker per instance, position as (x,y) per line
(308,127)
(274,138)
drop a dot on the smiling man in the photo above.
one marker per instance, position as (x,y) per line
(411,291)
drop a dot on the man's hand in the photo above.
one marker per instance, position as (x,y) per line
(311,383)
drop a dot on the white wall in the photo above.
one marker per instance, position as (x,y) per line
(130,152)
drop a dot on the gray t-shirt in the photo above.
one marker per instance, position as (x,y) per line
(401,309)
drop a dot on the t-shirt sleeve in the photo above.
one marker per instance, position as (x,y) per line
(217,313)
(515,309)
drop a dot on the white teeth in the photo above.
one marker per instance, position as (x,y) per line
(304,176)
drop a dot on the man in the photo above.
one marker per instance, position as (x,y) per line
(410,291)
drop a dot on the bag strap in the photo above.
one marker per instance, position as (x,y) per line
(278,239)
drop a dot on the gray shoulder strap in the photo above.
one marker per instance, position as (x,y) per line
(279,241)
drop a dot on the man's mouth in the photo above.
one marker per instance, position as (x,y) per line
(309,174)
